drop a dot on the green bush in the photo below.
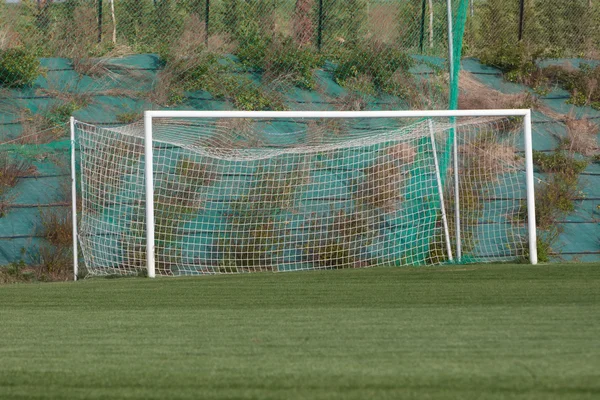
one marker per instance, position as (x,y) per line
(287,59)
(380,64)
(581,83)
(18,68)
(252,49)
(279,58)
(245,94)
(558,162)
(556,197)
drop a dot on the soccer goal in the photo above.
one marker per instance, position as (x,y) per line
(211,192)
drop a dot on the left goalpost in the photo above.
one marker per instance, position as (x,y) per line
(209,192)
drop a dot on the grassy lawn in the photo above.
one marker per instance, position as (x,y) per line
(505,331)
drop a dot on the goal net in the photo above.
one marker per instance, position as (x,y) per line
(270,192)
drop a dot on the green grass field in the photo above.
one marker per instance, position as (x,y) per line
(504,331)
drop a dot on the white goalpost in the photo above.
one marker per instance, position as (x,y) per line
(207,192)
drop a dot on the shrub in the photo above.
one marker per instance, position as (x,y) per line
(51,263)
(581,135)
(56,227)
(381,63)
(18,68)
(280,59)
(559,162)
(181,73)
(556,197)
(47,125)
(519,64)
(245,94)
(15,272)
(253,45)
(583,84)
(287,61)
(11,169)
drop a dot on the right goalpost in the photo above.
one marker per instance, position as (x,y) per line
(208,192)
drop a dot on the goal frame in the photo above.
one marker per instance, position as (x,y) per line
(150,116)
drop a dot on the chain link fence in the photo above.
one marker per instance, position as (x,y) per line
(272,47)
(108,60)
(551,28)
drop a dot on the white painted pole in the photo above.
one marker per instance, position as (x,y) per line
(74,201)
(530,190)
(370,114)
(440,191)
(337,114)
(149,182)
(450,41)
(455,141)
(457,199)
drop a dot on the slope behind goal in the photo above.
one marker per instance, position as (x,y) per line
(234,191)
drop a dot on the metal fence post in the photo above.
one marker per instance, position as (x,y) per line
(521,19)
(99,21)
(206,21)
(320,27)
(423,11)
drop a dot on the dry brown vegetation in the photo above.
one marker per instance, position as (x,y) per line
(474,95)
(383,180)
(582,136)
(383,20)
(303,25)
(11,170)
(37,129)
(490,159)
(56,226)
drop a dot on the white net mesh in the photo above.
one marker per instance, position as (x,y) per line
(241,195)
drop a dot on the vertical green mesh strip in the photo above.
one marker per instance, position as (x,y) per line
(459,22)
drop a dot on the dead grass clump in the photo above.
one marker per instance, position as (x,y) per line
(383,20)
(487,160)
(303,24)
(90,66)
(164,88)
(37,130)
(49,123)
(234,133)
(427,94)
(56,226)
(193,40)
(582,135)
(352,102)
(12,169)
(75,99)
(8,38)
(50,263)
(117,92)
(382,184)
(474,95)
(77,37)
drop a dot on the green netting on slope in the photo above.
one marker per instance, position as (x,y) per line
(581,232)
